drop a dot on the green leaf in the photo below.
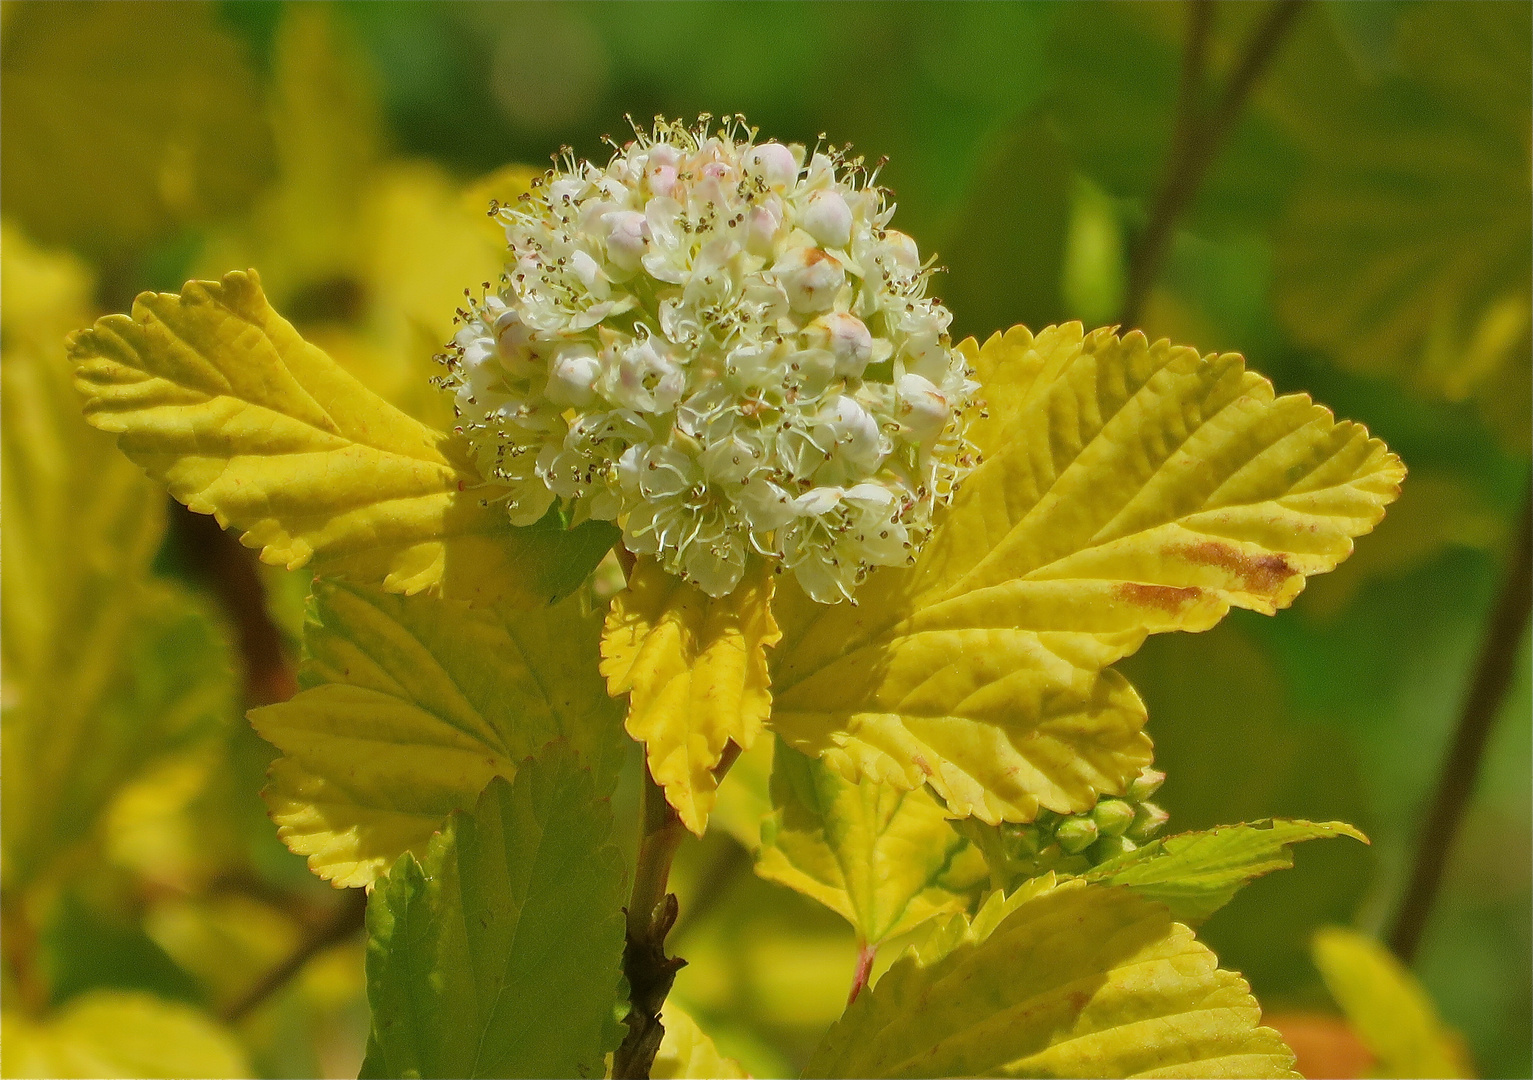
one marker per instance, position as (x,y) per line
(501,954)
(116,1033)
(687,1052)
(1078,980)
(1407,248)
(104,667)
(1126,489)
(215,394)
(695,671)
(411,705)
(870,852)
(1197,873)
(1387,1007)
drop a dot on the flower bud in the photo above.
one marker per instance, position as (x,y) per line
(1076,834)
(810,277)
(627,237)
(828,219)
(848,339)
(1149,819)
(773,163)
(572,374)
(1146,784)
(1110,847)
(1113,816)
(923,409)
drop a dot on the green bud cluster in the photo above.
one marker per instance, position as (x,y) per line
(1070,843)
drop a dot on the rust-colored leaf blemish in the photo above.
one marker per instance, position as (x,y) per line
(1263,575)
(1168,598)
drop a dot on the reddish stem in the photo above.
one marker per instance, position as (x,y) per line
(865,955)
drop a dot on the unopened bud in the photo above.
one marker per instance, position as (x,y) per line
(1112,816)
(1022,841)
(1149,819)
(828,219)
(1110,847)
(810,277)
(1076,834)
(1146,784)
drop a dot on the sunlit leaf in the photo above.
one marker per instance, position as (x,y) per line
(104,667)
(870,852)
(411,705)
(1387,1007)
(1127,489)
(156,98)
(1076,981)
(215,394)
(116,1033)
(745,796)
(1195,874)
(695,670)
(501,954)
(1408,248)
(686,1052)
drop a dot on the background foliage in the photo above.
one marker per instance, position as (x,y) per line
(1362,233)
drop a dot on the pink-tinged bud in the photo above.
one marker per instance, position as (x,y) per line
(1149,819)
(1146,784)
(774,163)
(828,219)
(923,409)
(572,374)
(762,227)
(627,237)
(810,277)
(848,339)
(1076,834)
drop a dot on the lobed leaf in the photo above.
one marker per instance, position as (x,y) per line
(215,394)
(501,954)
(121,1033)
(1127,488)
(1077,980)
(1387,1007)
(411,705)
(871,852)
(1195,874)
(695,670)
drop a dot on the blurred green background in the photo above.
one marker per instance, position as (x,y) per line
(1362,233)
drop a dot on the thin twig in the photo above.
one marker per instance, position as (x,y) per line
(1492,679)
(1198,136)
(346,920)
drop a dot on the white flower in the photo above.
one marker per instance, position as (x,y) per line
(720,345)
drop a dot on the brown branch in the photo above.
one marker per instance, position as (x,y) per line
(651,914)
(1492,679)
(228,570)
(1198,137)
(348,917)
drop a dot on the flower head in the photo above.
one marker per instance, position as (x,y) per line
(722,346)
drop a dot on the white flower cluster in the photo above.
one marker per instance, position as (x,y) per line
(723,348)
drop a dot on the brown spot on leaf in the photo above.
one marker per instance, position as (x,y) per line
(1263,575)
(920,763)
(1167,598)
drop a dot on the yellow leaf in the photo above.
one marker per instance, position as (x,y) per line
(118,1033)
(870,852)
(1387,1007)
(686,1052)
(215,394)
(104,668)
(695,670)
(1073,981)
(410,706)
(1126,489)
(124,122)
